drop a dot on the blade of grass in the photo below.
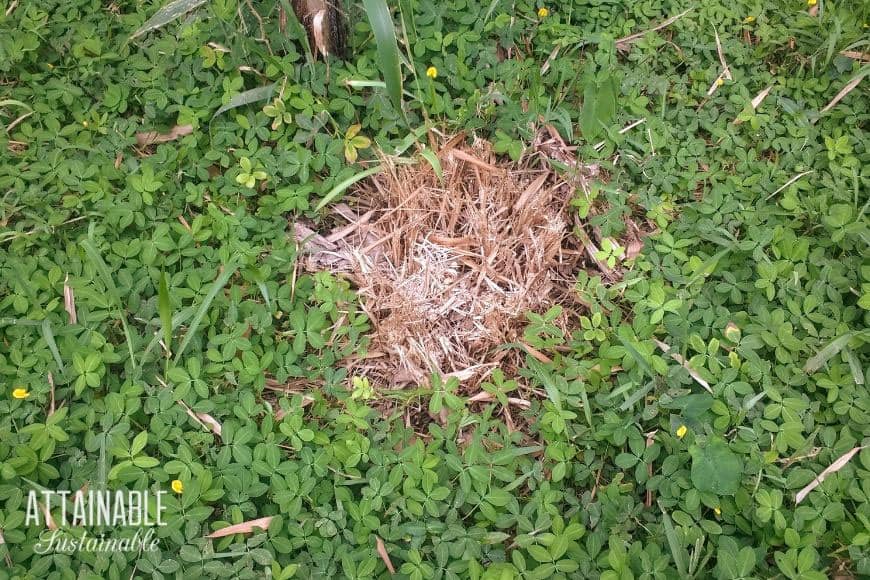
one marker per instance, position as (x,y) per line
(220,282)
(388,48)
(106,276)
(339,189)
(545,379)
(637,396)
(677,551)
(832,349)
(177,320)
(489,11)
(584,396)
(430,156)
(854,366)
(164,307)
(362,84)
(247,97)
(48,335)
(167,14)
(639,358)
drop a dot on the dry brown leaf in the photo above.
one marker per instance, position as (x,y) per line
(715,86)
(536,354)
(49,521)
(843,92)
(759,98)
(836,466)
(460,154)
(203,419)
(855,55)
(726,70)
(242,528)
(382,552)
(756,102)
(51,386)
(79,497)
(484,397)
(153,137)
(69,301)
(318,30)
(211,422)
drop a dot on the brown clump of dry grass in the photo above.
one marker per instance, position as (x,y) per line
(448,268)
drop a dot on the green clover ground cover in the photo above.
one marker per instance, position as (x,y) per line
(188,303)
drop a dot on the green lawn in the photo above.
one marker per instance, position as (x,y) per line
(157,331)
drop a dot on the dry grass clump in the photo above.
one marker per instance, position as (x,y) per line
(448,268)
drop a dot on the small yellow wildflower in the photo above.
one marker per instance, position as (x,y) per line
(85,124)
(749,20)
(812,2)
(431,72)
(177,486)
(717,511)
(543,12)
(50,66)
(20,393)
(720,81)
(681,431)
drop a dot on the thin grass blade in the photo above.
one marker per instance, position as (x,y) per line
(48,335)
(677,550)
(164,308)
(831,350)
(388,47)
(339,189)
(106,276)
(216,286)
(247,97)
(167,14)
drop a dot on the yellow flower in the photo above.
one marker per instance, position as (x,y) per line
(431,72)
(717,511)
(543,12)
(177,486)
(749,20)
(720,81)
(812,2)
(85,124)
(20,393)
(681,431)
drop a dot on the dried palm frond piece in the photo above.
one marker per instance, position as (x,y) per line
(447,267)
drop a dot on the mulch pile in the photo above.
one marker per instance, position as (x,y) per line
(448,265)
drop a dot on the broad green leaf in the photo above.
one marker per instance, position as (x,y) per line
(715,468)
